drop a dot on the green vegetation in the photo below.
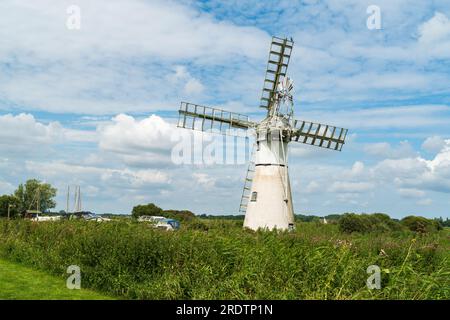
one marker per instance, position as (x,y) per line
(22,283)
(33,192)
(8,201)
(421,224)
(443,223)
(28,196)
(146,210)
(217,259)
(364,223)
(310,218)
(380,222)
(153,210)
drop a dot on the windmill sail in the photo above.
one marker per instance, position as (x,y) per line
(196,117)
(279,56)
(320,135)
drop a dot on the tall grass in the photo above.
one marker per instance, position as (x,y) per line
(216,259)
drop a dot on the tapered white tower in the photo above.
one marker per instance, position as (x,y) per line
(266,198)
(270,204)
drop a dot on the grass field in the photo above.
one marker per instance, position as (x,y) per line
(217,259)
(19,282)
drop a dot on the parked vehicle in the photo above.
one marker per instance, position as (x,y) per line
(161,222)
(150,218)
(168,224)
(37,217)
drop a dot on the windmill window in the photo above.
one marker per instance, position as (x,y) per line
(254,195)
(257,145)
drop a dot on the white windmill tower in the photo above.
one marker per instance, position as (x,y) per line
(266,198)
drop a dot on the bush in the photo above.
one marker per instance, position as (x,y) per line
(420,224)
(351,222)
(182,215)
(153,210)
(363,223)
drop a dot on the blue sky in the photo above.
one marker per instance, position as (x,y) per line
(96,107)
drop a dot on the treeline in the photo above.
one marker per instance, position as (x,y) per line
(31,195)
(380,222)
(311,218)
(151,209)
(348,222)
(34,195)
(222,217)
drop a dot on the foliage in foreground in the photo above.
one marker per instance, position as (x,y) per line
(216,259)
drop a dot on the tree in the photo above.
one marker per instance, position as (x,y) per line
(183,215)
(146,210)
(33,192)
(5,201)
(420,224)
(375,222)
(351,222)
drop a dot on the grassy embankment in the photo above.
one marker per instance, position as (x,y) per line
(18,282)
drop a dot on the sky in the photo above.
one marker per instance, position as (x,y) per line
(89,94)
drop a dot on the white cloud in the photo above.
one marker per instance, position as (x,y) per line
(418,173)
(204,180)
(385,150)
(358,168)
(24,133)
(351,187)
(125,133)
(144,141)
(411,193)
(23,129)
(129,28)
(312,187)
(425,202)
(442,159)
(394,117)
(119,178)
(435,30)
(117,62)
(400,168)
(193,87)
(6,187)
(433,144)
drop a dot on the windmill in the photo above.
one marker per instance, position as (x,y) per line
(266,197)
